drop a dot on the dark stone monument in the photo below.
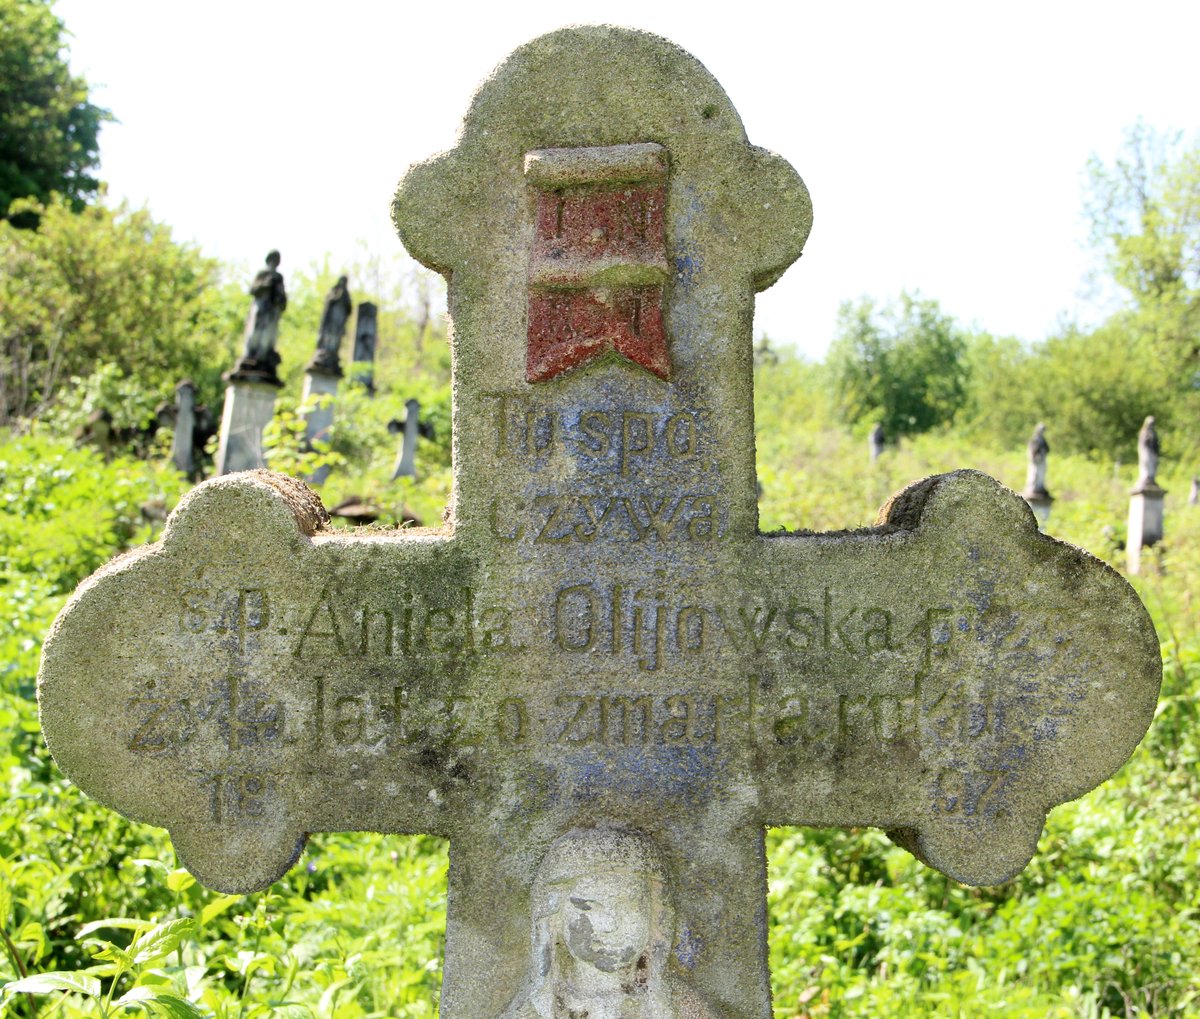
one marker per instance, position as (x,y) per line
(336,314)
(362,370)
(876,441)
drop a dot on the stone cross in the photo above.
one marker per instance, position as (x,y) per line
(598,679)
(406,462)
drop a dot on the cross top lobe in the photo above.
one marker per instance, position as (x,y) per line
(600,650)
(597,131)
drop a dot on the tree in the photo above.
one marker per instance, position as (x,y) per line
(48,128)
(1144,211)
(902,365)
(107,287)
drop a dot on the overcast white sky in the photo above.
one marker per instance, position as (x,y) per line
(944,143)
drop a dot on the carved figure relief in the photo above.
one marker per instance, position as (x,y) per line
(599,261)
(603,934)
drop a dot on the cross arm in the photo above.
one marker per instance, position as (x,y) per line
(251,678)
(949,675)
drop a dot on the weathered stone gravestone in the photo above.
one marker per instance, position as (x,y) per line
(599,680)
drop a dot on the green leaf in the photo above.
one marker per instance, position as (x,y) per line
(46,983)
(161,940)
(163,1002)
(124,923)
(178,880)
(217,907)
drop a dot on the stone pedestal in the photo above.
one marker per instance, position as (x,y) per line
(1145,523)
(1039,502)
(248,408)
(319,389)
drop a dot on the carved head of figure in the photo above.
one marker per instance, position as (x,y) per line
(273,260)
(601,915)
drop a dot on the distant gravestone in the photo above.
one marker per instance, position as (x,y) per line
(406,462)
(182,437)
(251,386)
(1036,494)
(876,441)
(599,680)
(1194,492)
(1146,499)
(362,369)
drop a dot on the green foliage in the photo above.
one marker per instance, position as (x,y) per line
(107,287)
(1104,922)
(1093,390)
(902,365)
(1144,210)
(100,920)
(48,129)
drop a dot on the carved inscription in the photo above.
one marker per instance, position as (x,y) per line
(242,712)
(606,441)
(652,625)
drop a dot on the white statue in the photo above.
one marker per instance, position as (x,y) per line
(603,934)
(1035,476)
(1147,455)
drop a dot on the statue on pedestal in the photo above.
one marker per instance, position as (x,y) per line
(333,328)
(259,359)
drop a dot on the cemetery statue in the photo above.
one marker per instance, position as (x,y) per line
(262,323)
(1147,456)
(364,333)
(603,934)
(364,347)
(333,328)
(1035,477)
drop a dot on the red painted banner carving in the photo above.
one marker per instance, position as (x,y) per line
(599,260)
